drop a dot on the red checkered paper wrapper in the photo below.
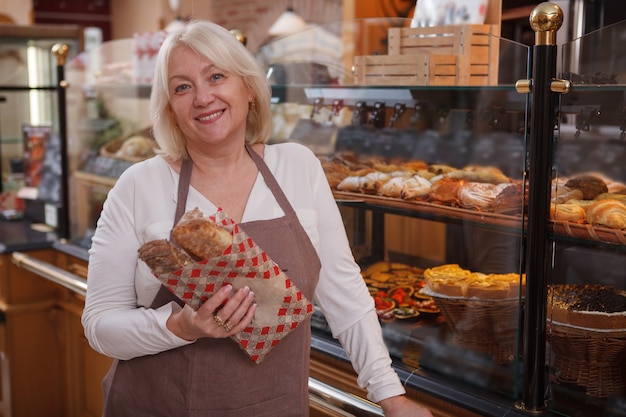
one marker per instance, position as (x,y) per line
(281,306)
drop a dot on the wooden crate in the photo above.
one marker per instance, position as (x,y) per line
(391,69)
(459,55)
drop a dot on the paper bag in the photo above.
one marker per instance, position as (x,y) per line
(281,306)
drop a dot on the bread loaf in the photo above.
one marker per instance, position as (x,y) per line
(162,256)
(201,237)
(195,237)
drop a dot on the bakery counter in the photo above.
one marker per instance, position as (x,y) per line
(22,235)
(444,394)
(464,387)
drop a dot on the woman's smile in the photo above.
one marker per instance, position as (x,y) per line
(211,116)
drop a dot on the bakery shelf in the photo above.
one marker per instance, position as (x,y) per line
(563,230)
(429,211)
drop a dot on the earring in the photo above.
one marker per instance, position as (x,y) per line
(252,103)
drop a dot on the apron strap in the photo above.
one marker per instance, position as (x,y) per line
(183,189)
(185,179)
(272,184)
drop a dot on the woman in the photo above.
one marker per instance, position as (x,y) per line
(210,108)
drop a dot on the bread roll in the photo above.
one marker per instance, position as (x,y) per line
(590,186)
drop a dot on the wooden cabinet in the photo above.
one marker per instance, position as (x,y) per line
(30,342)
(50,370)
(84,367)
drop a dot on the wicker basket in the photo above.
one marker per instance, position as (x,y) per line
(487,326)
(589,358)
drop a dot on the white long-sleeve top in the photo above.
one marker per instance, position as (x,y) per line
(139,209)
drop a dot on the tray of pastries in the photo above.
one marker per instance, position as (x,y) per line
(453,281)
(588,206)
(398,293)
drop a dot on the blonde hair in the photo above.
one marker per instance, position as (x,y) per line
(222,48)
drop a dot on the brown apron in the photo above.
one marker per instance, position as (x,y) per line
(214,377)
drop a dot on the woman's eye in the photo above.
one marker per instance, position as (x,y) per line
(181,88)
(216,77)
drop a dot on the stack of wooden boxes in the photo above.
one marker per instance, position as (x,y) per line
(440,55)
(461,55)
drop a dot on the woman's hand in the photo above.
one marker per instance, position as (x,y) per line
(401,406)
(222,315)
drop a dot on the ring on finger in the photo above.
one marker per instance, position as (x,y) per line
(218,320)
(228,325)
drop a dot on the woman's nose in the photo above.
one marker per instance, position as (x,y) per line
(203,96)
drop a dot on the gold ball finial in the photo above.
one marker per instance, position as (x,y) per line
(240,36)
(60,51)
(545,20)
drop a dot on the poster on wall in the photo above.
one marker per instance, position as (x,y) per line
(35,141)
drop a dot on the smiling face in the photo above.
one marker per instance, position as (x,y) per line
(209,105)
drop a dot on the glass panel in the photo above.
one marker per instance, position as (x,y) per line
(28,78)
(422,136)
(110,105)
(587,297)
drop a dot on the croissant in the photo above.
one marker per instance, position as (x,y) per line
(609,213)
(570,212)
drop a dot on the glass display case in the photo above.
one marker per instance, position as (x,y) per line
(31,119)
(430,146)
(108,127)
(586,331)
(423,139)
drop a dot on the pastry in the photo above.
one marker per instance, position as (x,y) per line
(374,180)
(480,174)
(453,281)
(562,193)
(351,184)
(392,188)
(570,212)
(445,191)
(511,200)
(448,279)
(439,169)
(415,187)
(486,287)
(609,213)
(613,196)
(479,195)
(415,166)
(590,186)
